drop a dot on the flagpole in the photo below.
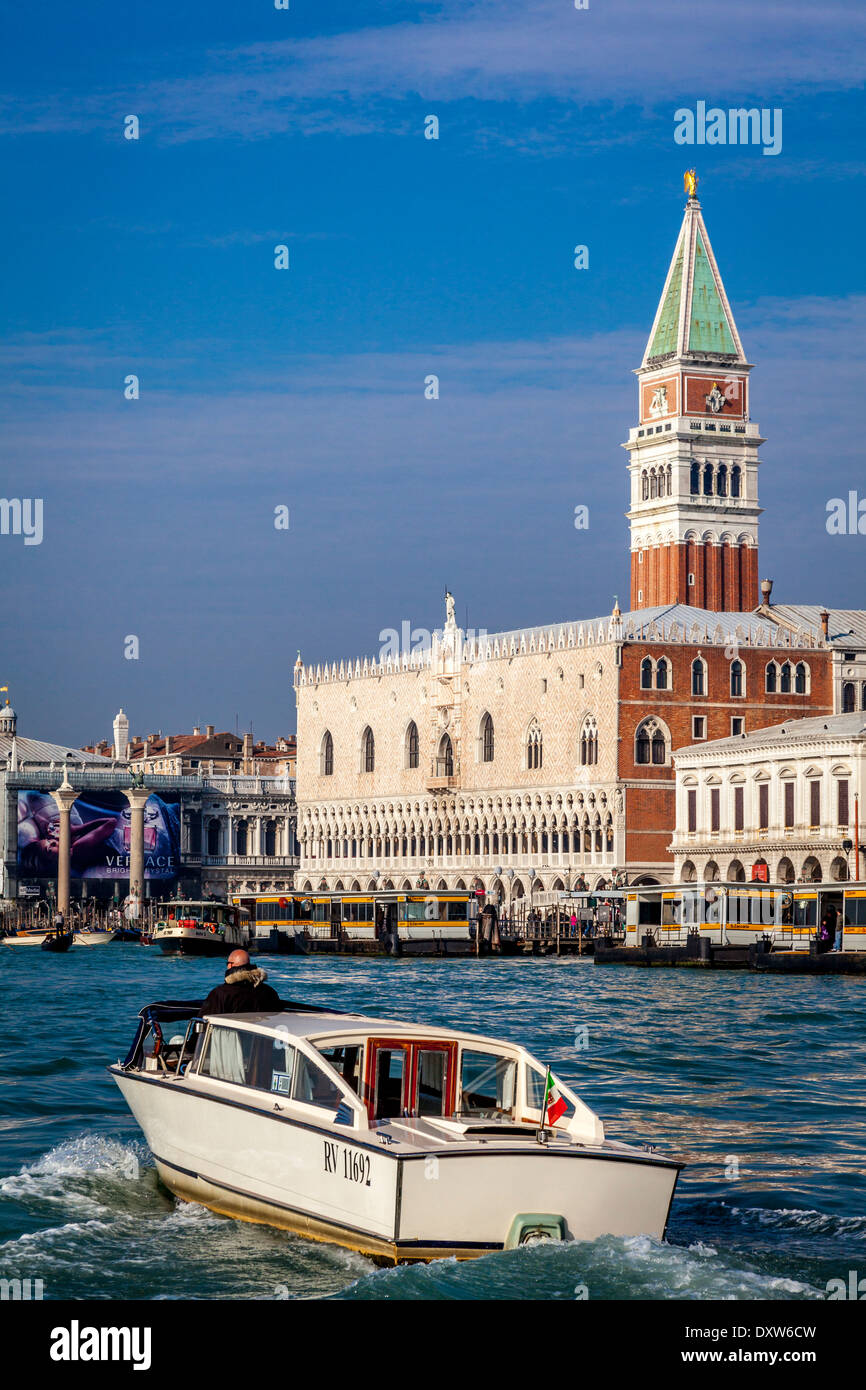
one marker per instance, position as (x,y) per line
(544,1098)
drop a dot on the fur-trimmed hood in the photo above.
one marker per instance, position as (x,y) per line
(246,975)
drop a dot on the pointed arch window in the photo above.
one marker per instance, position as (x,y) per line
(487,739)
(327,755)
(368,751)
(699,683)
(735,481)
(737,678)
(446,757)
(722,481)
(801,678)
(770,678)
(651,743)
(708,480)
(589,743)
(662,674)
(412,745)
(785,679)
(646,674)
(534,746)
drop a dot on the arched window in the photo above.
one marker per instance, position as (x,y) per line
(670,479)
(327,755)
(487,739)
(653,483)
(770,678)
(848,697)
(446,757)
(534,749)
(722,481)
(270,837)
(736,677)
(646,674)
(863,696)
(589,743)
(662,674)
(651,743)
(699,684)
(695,480)
(241,837)
(412,745)
(213,836)
(708,480)
(785,679)
(368,750)
(644,485)
(735,481)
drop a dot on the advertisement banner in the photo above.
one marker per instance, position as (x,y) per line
(100,830)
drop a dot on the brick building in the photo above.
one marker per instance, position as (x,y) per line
(526,760)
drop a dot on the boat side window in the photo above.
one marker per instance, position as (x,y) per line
(313,1086)
(347,1061)
(487,1083)
(227,1055)
(390,1067)
(249,1059)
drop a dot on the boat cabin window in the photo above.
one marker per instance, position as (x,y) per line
(313,1086)
(432,1081)
(249,1059)
(347,1061)
(390,1066)
(487,1083)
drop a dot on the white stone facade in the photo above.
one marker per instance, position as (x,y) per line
(451,807)
(814,775)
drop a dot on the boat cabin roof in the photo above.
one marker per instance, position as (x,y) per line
(326,1025)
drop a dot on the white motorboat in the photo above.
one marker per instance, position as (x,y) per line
(28,936)
(94,936)
(402,1141)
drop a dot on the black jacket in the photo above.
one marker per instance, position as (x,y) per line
(244,992)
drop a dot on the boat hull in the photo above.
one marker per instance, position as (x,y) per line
(93,938)
(193,946)
(344,1186)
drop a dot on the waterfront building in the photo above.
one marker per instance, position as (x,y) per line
(782,803)
(174,831)
(207,753)
(530,760)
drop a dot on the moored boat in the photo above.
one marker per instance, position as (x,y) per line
(188,928)
(57,942)
(402,1141)
(27,936)
(94,936)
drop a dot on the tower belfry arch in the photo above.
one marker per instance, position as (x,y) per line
(693,456)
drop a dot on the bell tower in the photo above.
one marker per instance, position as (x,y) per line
(693,456)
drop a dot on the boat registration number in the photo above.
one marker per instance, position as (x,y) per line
(347,1163)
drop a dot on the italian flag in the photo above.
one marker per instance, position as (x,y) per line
(554,1104)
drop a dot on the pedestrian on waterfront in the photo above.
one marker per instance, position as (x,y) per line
(244,990)
(827,930)
(840,926)
(573,923)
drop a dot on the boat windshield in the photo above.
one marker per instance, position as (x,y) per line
(488,1084)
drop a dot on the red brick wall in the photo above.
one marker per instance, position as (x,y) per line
(650,800)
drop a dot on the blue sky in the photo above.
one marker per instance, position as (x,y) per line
(408,257)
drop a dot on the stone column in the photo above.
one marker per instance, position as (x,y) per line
(64,796)
(137,798)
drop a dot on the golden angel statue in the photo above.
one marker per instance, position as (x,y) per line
(690,183)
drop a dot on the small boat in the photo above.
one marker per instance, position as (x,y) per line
(57,942)
(398,1140)
(28,936)
(94,936)
(201,928)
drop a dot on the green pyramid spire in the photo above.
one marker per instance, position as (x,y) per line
(665,336)
(708,327)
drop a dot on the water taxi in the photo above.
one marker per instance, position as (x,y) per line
(94,936)
(402,1141)
(187,928)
